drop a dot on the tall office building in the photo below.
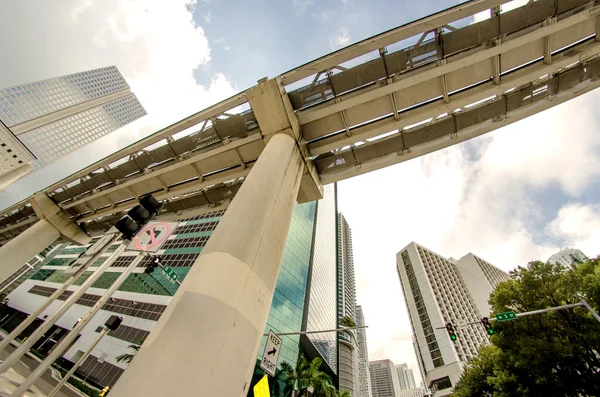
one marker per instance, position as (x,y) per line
(436,293)
(349,378)
(364,377)
(43,121)
(567,256)
(143,298)
(405,377)
(384,379)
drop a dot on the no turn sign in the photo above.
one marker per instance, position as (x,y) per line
(152,236)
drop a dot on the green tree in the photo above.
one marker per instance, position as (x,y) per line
(347,321)
(550,354)
(309,375)
(127,357)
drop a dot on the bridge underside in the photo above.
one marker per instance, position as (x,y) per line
(412,90)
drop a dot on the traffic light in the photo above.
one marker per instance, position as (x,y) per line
(138,216)
(451,332)
(487,325)
(152,265)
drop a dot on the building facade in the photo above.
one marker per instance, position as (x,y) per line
(436,294)
(364,377)
(44,120)
(384,379)
(567,256)
(349,378)
(142,298)
(405,377)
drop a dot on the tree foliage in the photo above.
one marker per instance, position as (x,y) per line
(127,357)
(549,354)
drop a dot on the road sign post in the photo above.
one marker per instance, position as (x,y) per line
(506,316)
(271,353)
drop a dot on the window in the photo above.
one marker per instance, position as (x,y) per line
(440,384)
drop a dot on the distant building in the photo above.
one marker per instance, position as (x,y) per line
(384,379)
(405,377)
(567,256)
(349,378)
(411,393)
(363,355)
(438,291)
(45,120)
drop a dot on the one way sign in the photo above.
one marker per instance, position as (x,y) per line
(271,353)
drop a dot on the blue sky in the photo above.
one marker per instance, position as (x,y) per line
(511,196)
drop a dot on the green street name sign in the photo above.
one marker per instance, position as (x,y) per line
(169,273)
(507,316)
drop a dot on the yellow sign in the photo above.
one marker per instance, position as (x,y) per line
(261,389)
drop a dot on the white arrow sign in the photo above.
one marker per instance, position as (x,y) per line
(271,353)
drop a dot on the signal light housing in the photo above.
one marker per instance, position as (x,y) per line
(128,227)
(152,205)
(138,216)
(488,327)
(451,331)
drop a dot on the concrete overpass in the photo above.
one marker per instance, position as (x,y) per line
(406,92)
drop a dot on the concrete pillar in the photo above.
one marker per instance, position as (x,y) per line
(25,246)
(206,343)
(53,223)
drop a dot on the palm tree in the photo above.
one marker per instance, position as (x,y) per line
(127,357)
(347,321)
(290,376)
(310,376)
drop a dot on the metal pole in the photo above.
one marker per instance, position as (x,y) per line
(549,309)
(596,316)
(78,364)
(17,331)
(319,332)
(54,317)
(70,337)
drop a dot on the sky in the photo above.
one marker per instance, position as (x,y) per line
(515,195)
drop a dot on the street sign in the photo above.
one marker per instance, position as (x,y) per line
(152,236)
(261,389)
(169,273)
(507,316)
(271,353)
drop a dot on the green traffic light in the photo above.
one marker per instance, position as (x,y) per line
(490,331)
(453,337)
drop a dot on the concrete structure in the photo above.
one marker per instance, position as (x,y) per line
(406,378)
(567,256)
(305,291)
(435,294)
(480,278)
(364,378)
(457,81)
(45,120)
(384,379)
(411,393)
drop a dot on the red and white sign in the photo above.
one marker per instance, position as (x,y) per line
(152,236)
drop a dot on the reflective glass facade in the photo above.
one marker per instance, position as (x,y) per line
(80,121)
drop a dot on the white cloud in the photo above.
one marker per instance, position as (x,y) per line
(579,226)
(155,44)
(341,39)
(207,17)
(480,199)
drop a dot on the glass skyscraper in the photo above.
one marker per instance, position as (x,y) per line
(56,116)
(308,264)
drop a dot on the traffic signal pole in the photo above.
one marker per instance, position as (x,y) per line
(59,349)
(54,317)
(531,313)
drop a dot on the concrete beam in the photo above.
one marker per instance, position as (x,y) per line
(47,210)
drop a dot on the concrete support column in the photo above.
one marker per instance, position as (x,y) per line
(25,246)
(207,341)
(53,223)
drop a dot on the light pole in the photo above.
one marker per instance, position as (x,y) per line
(111,325)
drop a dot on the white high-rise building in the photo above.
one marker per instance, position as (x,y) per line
(405,377)
(436,293)
(43,121)
(349,378)
(384,379)
(363,355)
(567,256)
(480,278)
